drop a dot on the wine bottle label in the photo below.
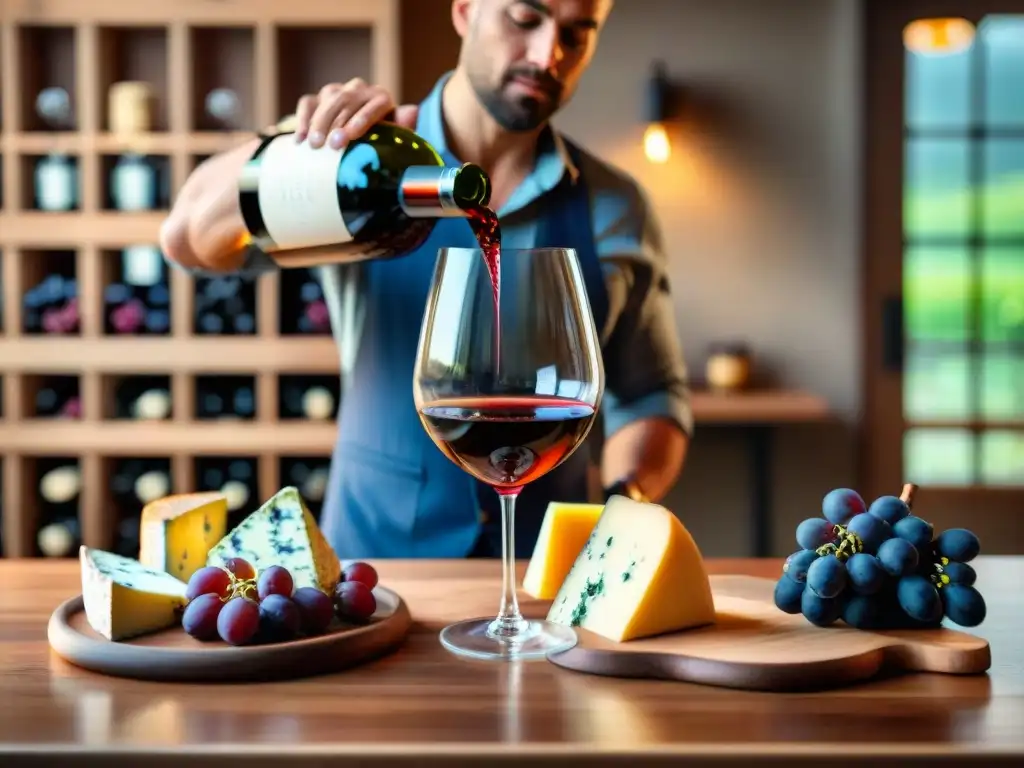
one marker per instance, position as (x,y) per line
(142,265)
(298,195)
(134,185)
(56,182)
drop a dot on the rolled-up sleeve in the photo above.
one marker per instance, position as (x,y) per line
(645,371)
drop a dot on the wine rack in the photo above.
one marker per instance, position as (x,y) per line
(121,377)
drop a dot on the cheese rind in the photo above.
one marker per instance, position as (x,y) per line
(563,534)
(176,533)
(282,532)
(640,574)
(124,599)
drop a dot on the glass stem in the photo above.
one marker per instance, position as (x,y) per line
(509,623)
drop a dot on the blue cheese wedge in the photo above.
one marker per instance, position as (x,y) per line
(124,599)
(640,574)
(283,532)
(177,532)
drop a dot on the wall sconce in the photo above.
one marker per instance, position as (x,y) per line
(659,107)
(938,36)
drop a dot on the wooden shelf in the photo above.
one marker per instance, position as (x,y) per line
(266,54)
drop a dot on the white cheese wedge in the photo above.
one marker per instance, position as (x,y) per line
(283,532)
(564,532)
(176,533)
(640,574)
(124,599)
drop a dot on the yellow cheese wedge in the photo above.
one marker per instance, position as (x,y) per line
(640,574)
(563,533)
(124,598)
(177,532)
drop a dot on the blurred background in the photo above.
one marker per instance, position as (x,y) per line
(840,185)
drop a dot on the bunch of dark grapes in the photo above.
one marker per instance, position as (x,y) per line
(880,567)
(240,607)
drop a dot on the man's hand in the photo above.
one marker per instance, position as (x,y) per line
(341,112)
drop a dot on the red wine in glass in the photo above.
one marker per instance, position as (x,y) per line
(507,442)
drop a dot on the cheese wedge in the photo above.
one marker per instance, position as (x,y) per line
(563,533)
(283,532)
(123,598)
(640,574)
(176,533)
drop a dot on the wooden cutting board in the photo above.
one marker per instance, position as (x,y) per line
(171,655)
(756,646)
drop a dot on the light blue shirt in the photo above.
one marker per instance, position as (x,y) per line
(645,372)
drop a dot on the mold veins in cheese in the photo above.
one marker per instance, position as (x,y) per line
(640,574)
(176,533)
(283,532)
(124,599)
(564,532)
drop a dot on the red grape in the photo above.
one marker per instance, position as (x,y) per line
(361,572)
(354,600)
(275,581)
(315,608)
(241,568)
(238,620)
(279,618)
(208,581)
(202,617)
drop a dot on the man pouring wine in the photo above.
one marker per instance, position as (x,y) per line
(520,62)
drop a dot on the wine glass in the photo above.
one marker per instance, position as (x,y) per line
(508,395)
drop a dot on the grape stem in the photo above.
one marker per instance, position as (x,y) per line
(907,497)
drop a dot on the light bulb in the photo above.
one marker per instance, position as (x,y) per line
(938,36)
(656,144)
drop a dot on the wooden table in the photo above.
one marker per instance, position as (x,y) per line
(423,707)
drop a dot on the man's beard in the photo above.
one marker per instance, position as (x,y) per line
(519,113)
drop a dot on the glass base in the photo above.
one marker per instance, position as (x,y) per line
(537,639)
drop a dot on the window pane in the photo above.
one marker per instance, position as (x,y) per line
(938,456)
(936,292)
(936,385)
(938,90)
(1002,458)
(936,199)
(1002,386)
(1003,193)
(1002,38)
(1002,294)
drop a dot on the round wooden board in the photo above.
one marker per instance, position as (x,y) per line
(171,655)
(755,646)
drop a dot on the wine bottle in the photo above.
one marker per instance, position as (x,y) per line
(145,398)
(235,478)
(225,397)
(303,306)
(378,197)
(139,302)
(51,306)
(133,484)
(58,397)
(225,305)
(59,487)
(310,477)
(59,537)
(314,401)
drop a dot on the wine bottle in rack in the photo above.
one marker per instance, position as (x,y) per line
(139,303)
(309,397)
(58,397)
(225,305)
(303,307)
(143,398)
(133,484)
(225,397)
(134,183)
(234,477)
(51,306)
(60,483)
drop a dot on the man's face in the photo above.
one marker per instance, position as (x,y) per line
(524,58)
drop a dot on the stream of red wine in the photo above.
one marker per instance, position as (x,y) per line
(484,223)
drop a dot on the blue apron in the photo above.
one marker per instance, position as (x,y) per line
(391,492)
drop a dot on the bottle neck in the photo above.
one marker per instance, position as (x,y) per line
(443,192)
